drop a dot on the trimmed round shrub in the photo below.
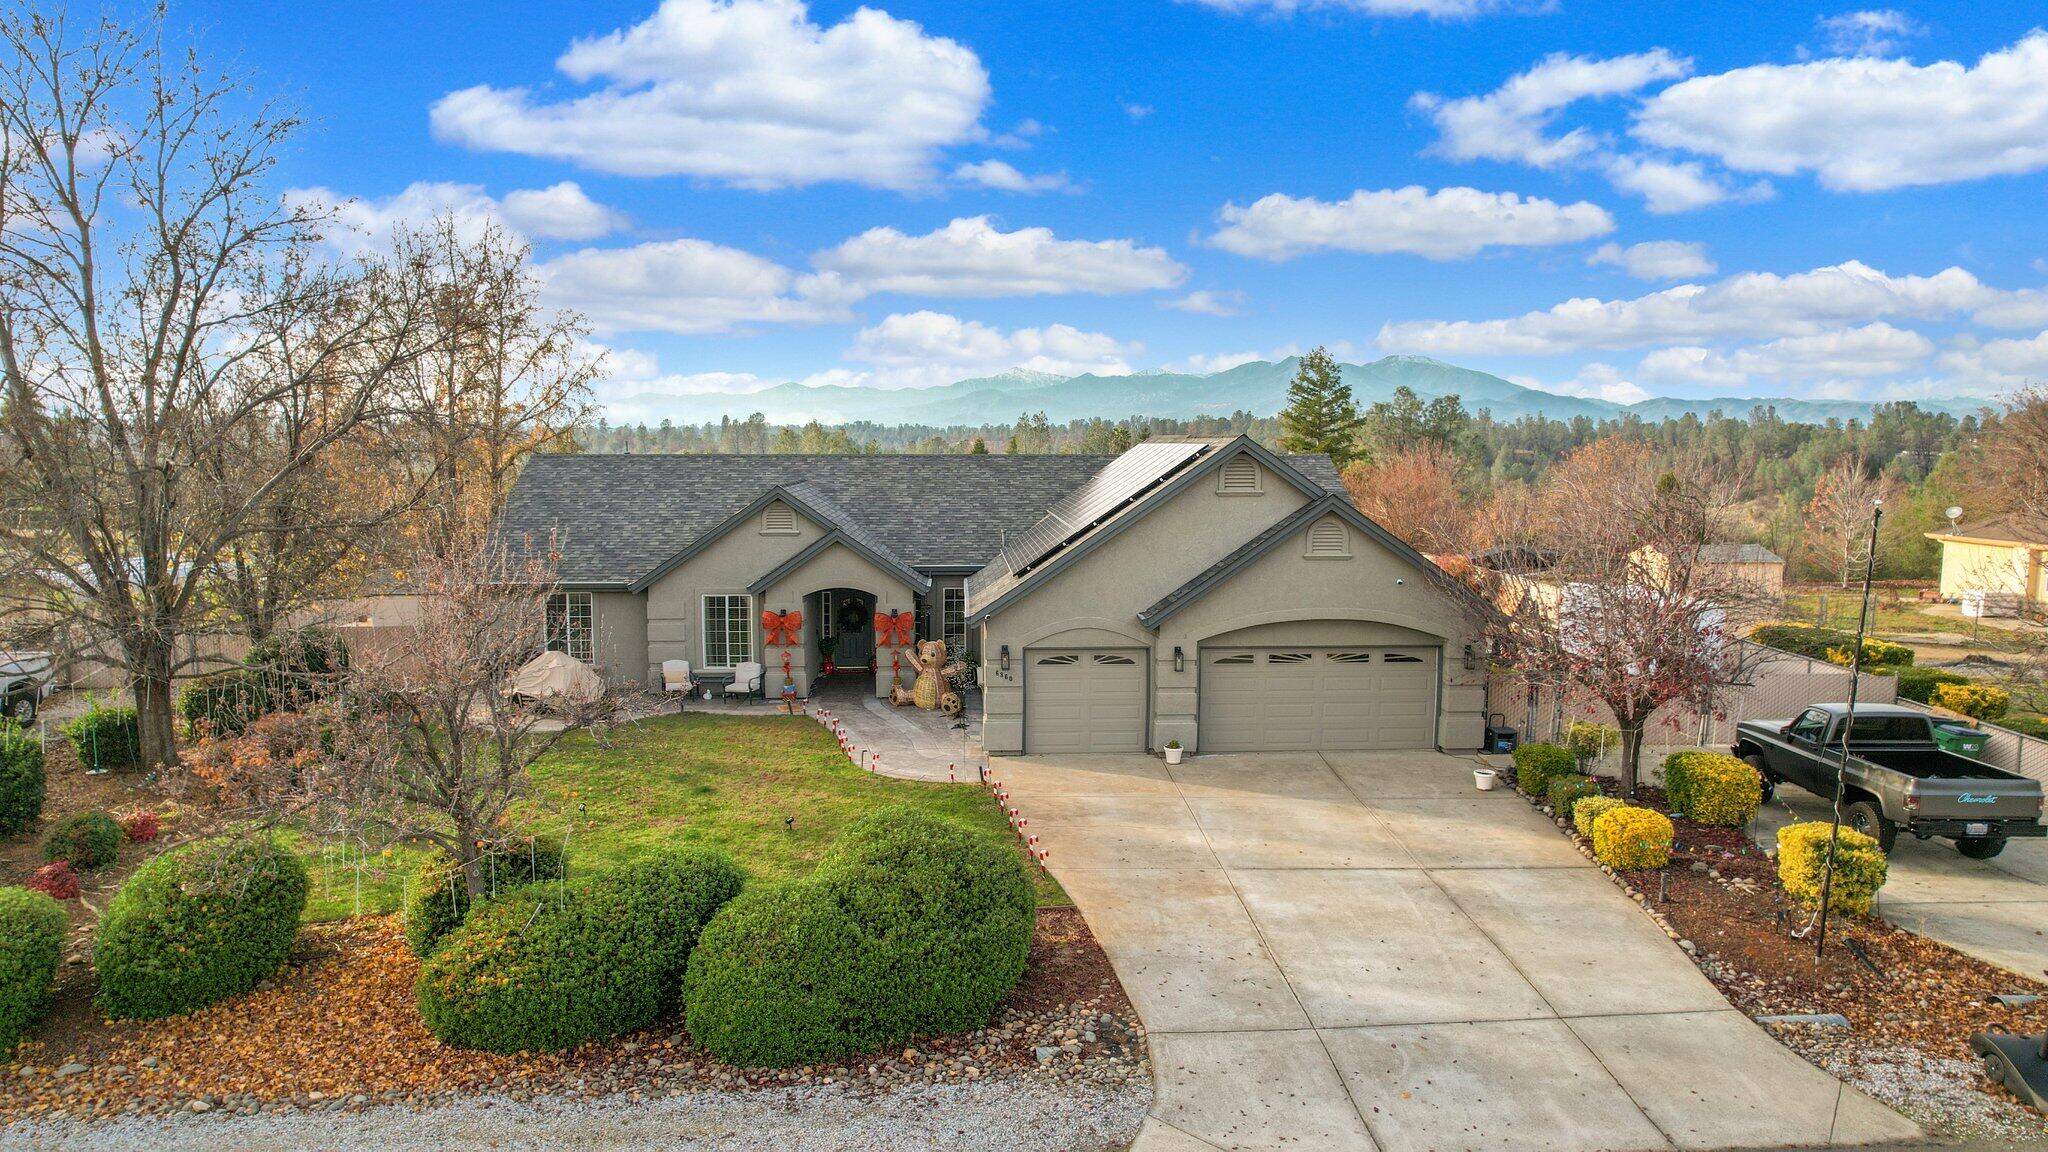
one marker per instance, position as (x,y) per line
(22,782)
(57,881)
(1712,787)
(32,930)
(1860,867)
(224,704)
(909,926)
(440,896)
(1920,683)
(1567,789)
(198,925)
(88,841)
(544,967)
(106,739)
(1978,701)
(1535,764)
(1587,809)
(1630,839)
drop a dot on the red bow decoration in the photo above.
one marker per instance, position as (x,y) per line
(896,629)
(782,627)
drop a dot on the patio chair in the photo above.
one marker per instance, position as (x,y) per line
(748,681)
(677,677)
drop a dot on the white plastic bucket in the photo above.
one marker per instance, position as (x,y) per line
(1484,779)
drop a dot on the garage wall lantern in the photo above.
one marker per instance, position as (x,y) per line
(1180,662)
(1471,659)
(1003,658)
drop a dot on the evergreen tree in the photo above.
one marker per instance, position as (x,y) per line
(978,448)
(1321,415)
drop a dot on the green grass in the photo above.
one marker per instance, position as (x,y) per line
(772,791)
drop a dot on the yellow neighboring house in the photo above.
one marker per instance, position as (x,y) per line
(1998,562)
(1752,564)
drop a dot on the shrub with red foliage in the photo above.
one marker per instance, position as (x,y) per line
(56,881)
(141,827)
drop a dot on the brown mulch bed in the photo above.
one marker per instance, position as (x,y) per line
(1898,990)
(339,1029)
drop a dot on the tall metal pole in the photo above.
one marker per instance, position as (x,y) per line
(1827,875)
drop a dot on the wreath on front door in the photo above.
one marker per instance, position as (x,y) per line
(852,617)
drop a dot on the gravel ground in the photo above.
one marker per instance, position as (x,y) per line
(1015,1114)
(1940,1094)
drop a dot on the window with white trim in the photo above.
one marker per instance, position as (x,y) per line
(953,619)
(571,625)
(728,631)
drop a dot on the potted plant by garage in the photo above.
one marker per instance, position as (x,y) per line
(1174,751)
(827,645)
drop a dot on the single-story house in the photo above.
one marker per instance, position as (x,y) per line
(2001,561)
(1205,591)
(1753,565)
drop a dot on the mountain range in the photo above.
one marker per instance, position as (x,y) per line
(1259,387)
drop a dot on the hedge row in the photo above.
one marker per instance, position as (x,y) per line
(1830,644)
(546,967)
(909,926)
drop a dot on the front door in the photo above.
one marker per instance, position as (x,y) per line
(852,621)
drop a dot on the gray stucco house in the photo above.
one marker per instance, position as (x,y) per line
(1208,591)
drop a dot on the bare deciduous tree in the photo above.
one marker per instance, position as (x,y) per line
(1415,494)
(154,305)
(1838,516)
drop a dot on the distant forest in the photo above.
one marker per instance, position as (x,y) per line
(1773,465)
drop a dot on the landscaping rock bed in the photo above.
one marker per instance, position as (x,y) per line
(339,1032)
(1911,1003)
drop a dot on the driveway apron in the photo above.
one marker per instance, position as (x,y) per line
(1359,951)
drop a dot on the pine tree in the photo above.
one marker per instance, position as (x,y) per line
(1321,415)
(978,448)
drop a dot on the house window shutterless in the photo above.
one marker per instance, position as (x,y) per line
(953,618)
(570,625)
(728,630)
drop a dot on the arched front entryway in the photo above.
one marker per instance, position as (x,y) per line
(842,627)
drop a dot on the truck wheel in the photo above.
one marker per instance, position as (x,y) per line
(1770,786)
(1866,817)
(1980,847)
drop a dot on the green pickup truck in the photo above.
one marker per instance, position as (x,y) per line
(1898,779)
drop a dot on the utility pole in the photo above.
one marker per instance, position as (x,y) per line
(1827,874)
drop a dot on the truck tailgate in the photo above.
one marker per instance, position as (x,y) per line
(1979,799)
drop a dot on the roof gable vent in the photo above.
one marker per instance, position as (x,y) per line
(1240,476)
(778,519)
(1327,540)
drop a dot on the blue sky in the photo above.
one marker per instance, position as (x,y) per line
(1612,199)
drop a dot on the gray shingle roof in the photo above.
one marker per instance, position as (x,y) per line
(619,517)
(1739,554)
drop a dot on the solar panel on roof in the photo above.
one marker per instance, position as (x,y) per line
(1123,480)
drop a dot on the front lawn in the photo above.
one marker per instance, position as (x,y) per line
(770,790)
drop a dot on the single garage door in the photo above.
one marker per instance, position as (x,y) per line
(1084,700)
(1275,699)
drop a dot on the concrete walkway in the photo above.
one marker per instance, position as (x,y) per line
(912,744)
(1995,910)
(1359,951)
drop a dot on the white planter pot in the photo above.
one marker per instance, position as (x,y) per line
(1173,755)
(1485,779)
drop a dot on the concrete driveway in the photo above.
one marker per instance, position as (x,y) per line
(1995,910)
(1359,951)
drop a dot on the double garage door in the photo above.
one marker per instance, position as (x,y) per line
(1285,699)
(1251,699)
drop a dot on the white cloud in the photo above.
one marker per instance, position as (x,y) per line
(1594,382)
(1873,32)
(745,92)
(1005,177)
(1020,137)
(1510,122)
(972,257)
(1435,9)
(560,212)
(2001,363)
(922,349)
(2026,308)
(1137,111)
(1668,187)
(1751,305)
(1205,365)
(1863,123)
(1441,225)
(1207,303)
(1872,350)
(1657,259)
(687,286)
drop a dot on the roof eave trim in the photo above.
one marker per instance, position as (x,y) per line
(916,580)
(1198,467)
